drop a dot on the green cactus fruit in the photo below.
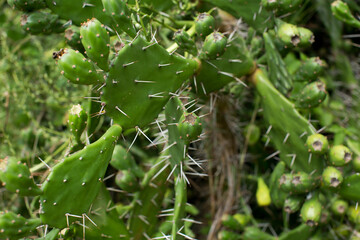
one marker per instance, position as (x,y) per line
(189,127)
(254,132)
(306,37)
(350,188)
(214,45)
(143,73)
(123,160)
(288,34)
(41,22)
(285,182)
(310,69)
(353,214)
(73,184)
(227,235)
(302,182)
(342,12)
(204,24)
(77,121)
(72,38)
(185,42)
(277,195)
(317,144)
(14,226)
(311,212)
(312,95)
(339,155)
(339,207)
(96,41)
(235,222)
(75,67)
(252,233)
(356,164)
(121,14)
(127,181)
(332,177)
(293,203)
(27,5)
(16,177)
(262,193)
(270,4)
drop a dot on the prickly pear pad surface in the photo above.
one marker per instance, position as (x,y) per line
(74,183)
(140,82)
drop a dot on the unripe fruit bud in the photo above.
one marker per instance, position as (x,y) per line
(312,95)
(262,193)
(311,212)
(293,203)
(331,177)
(317,143)
(77,121)
(339,207)
(204,24)
(214,45)
(189,127)
(339,155)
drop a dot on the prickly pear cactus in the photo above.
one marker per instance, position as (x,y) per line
(212,119)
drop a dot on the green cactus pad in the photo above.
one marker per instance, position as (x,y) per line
(28,5)
(288,128)
(96,42)
(13,226)
(79,11)
(350,188)
(342,12)
(74,183)
(140,82)
(121,14)
(215,74)
(277,195)
(72,38)
(16,177)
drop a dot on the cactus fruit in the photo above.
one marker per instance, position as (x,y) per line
(189,127)
(312,95)
(72,38)
(41,22)
(123,160)
(204,24)
(262,193)
(185,42)
(311,212)
(339,155)
(235,222)
(332,177)
(302,182)
(293,203)
(13,226)
(77,121)
(310,69)
(339,207)
(96,41)
(289,34)
(127,181)
(66,190)
(214,45)
(16,177)
(75,67)
(317,144)
(254,132)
